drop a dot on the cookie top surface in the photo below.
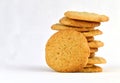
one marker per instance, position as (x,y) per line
(86,16)
(67,51)
(78,23)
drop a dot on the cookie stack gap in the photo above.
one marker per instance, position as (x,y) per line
(84,23)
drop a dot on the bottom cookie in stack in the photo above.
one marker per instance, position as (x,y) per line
(91,67)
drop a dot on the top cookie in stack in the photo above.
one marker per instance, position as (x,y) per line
(92,17)
(83,23)
(80,21)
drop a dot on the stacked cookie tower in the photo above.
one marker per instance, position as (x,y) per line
(76,29)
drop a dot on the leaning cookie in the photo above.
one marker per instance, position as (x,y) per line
(67,51)
(86,16)
(78,23)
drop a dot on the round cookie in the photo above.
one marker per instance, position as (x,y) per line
(63,27)
(78,23)
(96,60)
(86,16)
(67,51)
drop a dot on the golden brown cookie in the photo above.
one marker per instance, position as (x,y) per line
(90,39)
(86,16)
(92,55)
(95,44)
(91,69)
(96,60)
(92,33)
(63,27)
(93,50)
(67,51)
(78,23)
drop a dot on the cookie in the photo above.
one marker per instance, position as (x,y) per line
(90,39)
(92,55)
(96,60)
(63,27)
(92,33)
(78,23)
(86,16)
(67,51)
(91,69)
(93,50)
(95,44)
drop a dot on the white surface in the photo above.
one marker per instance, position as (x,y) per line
(25,29)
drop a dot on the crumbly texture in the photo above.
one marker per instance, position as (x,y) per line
(95,44)
(90,39)
(91,69)
(78,23)
(93,50)
(96,60)
(67,51)
(92,33)
(92,55)
(86,16)
(63,27)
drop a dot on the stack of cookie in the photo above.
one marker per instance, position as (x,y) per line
(73,47)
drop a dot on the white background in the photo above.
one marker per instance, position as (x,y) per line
(25,29)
